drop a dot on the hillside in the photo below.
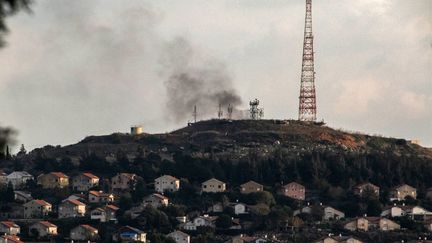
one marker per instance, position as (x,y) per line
(236,138)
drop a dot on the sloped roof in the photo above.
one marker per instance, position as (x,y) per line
(59,174)
(88,227)
(90,175)
(41,202)
(9,224)
(12,239)
(178,232)
(213,180)
(47,224)
(74,201)
(112,207)
(168,177)
(251,183)
(129,228)
(293,184)
(398,187)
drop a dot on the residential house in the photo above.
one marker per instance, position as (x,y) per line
(22,196)
(84,232)
(128,234)
(250,187)
(213,186)
(124,181)
(104,214)
(19,179)
(3,178)
(246,239)
(179,236)
(338,239)
(167,183)
(70,208)
(205,220)
(216,208)
(428,225)
(84,182)
(371,223)
(43,229)
(365,188)
(393,211)
(53,180)
(156,200)
(294,190)
(10,239)
(100,197)
(417,213)
(399,193)
(37,209)
(238,208)
(327,212)
(9,228)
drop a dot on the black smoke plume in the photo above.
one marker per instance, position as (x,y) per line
(194,79)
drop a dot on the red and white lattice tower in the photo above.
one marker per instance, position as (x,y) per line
(307,99)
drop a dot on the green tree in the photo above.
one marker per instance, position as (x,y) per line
(224,221)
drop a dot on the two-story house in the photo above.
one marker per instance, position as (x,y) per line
(71,208)
(204,220)
(43,229)
(9,228)
(53,180)
(130,234)
(167,183)
(179,236)
(100,197)
(213,186)
(156,200)
(294,190)
(371,223)
(250,187)
(84,182)
(399,193)
(104,214)
(18,179)
(327,212)
(366,188)
(37,209)
(84,232)
(124,181)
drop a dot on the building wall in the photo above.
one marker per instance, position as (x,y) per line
(213,186)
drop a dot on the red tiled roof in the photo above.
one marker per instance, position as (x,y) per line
(9,224)
(88,227)
(59,174)
(12,239)
(75,202)
(90,175)
(42,202)
(47,224)
(99,194)
(112,207)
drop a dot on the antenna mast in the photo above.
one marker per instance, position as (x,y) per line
(307,99)
(194,114)
(220,112)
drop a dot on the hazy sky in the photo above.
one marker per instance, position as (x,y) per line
(78,68)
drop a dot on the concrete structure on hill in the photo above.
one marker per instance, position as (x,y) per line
(179,236)
(371,223)
(124,181)
(156,200)
(18,179)
(9,228)
(71,208)
(100,197)
(365,188)
(130,234)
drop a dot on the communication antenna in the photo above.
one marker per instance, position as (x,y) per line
(194,114)
(230,111)
(220,112)
(307,98)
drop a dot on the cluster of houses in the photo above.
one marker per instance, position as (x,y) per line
(100,206)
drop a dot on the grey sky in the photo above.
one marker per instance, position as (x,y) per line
(78,68)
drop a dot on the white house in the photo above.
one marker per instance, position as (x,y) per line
(179,237)
(167,183)
(18,178)
(205,220)
(156,200)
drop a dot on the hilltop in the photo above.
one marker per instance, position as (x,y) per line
(235,138)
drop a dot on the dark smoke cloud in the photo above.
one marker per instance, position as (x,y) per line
(194,79)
